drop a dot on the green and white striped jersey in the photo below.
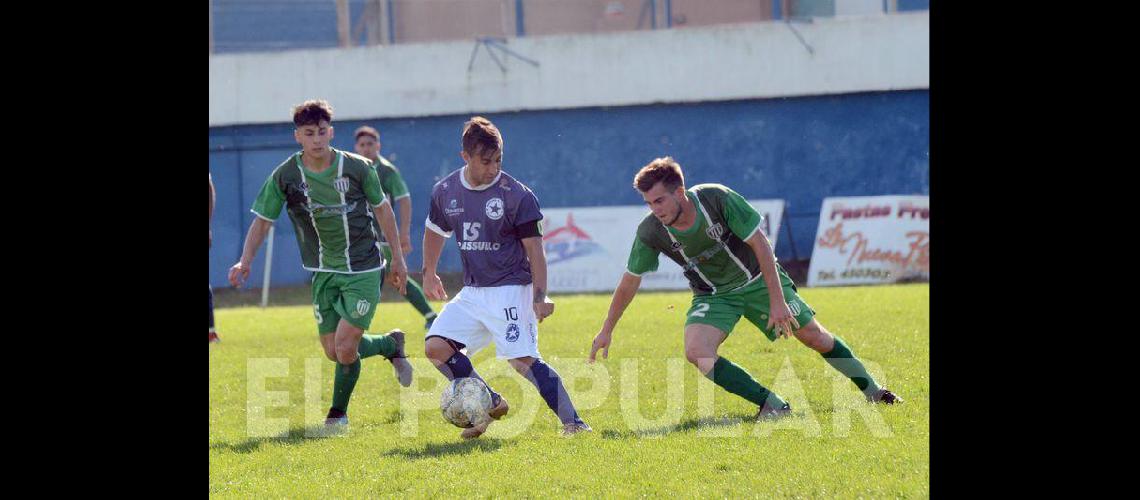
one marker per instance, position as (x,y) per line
(712,252)
(393,185)
(331,211)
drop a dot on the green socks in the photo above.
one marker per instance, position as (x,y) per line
(842,359)
(416,297)
(734,379)
(371,345)
(343,383)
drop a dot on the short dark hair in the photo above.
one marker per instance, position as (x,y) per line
(665,170)
(365,130)
(311,112)
(479,131)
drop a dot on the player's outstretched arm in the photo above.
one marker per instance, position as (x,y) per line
(624,294)
(780,316)
(398,267)
(240,272)
(433,246)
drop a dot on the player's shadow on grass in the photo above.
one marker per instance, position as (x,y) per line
(688,425)
(441,449)
(296,435)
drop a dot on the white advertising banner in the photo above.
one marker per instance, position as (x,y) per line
(871,240)
(587,248)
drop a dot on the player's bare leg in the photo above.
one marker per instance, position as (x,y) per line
(701,344)
(446,356)
(835,351)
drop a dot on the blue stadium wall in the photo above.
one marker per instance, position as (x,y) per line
(801,149)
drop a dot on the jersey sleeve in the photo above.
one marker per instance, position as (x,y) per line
(528,210)
(372,188)
(742,217)
(394,184)
(436,219)
(642,258)
(269,200)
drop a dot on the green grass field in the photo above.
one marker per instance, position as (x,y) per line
(660,429)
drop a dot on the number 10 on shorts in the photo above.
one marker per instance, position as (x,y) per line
(512,313)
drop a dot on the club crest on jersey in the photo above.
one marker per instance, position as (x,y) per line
(494,208)
(362,307)
(341,184)
(716,231)
(512,332)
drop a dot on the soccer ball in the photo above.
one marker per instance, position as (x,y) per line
(465,402)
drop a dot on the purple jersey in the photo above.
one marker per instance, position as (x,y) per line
(487,221)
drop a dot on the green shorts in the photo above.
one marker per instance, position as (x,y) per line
(351,297)
(724,310)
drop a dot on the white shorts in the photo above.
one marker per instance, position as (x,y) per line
(478,315)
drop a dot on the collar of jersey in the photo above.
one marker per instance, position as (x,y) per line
(696,223)
(332,165)
(463,179)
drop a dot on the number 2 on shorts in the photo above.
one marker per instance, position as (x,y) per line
(702,308)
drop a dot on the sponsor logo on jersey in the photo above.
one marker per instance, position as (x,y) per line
(470,234)
(341,184)
(715,232)
(494,208)
(362,307)
(512,332)
(319,210)
(471,230)
(478,245)
(795,307)
(453,208)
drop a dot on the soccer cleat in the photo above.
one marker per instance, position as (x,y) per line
(573,428)
(336,419)
(500,408)
(768,413)
(884,396)
(400,360)
(495,413)
(214,338)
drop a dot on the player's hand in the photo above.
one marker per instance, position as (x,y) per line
(433,287)
(238,275)
(781,320)
(398,276)
(406,244)
(543,309)
(601,341)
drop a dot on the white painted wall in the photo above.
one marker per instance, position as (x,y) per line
(738,61)
(858,7)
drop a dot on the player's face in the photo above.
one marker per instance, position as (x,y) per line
(483,166)
(665,204)
(367,147)
(314,139)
